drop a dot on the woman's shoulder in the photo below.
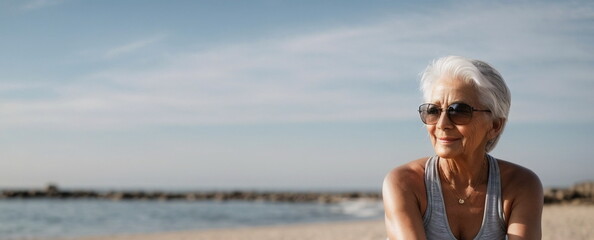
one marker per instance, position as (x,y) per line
(512,173)
(519,185)
(410,174)
(404,187)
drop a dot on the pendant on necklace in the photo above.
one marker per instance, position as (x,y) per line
(461,201)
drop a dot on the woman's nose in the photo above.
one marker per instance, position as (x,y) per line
(444,121)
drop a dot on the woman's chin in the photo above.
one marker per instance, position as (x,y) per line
(446,152)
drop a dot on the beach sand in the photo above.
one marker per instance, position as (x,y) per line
(574,222)
(568,222)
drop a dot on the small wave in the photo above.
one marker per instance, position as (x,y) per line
(361,208)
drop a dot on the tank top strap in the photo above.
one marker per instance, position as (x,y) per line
(429,188)
(435,218)
(494,205)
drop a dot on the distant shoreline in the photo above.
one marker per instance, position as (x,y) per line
(53,192)
(580,193)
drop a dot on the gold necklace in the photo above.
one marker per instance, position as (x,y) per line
(453,189)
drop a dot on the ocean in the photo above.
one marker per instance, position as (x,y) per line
(52,218)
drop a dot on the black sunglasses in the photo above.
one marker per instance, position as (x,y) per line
(458,113)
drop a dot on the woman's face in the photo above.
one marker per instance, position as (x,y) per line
(454,141)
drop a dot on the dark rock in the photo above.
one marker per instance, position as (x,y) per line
(52,189)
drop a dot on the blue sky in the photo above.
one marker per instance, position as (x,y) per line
(275,94)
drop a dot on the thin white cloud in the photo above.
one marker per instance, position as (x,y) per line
(18,86)
(366,72)
(37,4)
(132,47)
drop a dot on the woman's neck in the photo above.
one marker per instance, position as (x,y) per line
(464,171)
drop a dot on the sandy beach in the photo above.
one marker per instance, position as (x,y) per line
(559,222)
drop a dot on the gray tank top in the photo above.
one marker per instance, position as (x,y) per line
(435,219)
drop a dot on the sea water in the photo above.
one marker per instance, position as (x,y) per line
(51,218)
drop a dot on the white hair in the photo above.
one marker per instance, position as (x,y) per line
(492,90)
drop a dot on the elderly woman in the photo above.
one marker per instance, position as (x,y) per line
(462,192)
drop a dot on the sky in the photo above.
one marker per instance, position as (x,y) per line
(275,94)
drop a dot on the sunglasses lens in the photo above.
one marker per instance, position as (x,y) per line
(429,113)
(460,113)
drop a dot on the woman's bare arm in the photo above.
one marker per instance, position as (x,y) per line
(401,203)
(524,221)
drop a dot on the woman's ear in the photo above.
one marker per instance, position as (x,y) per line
(497,128)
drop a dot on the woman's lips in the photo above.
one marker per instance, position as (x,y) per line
(447,139)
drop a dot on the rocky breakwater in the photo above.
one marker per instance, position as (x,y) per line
(580,193)
(53,192)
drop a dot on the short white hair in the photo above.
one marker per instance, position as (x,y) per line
(492,90)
